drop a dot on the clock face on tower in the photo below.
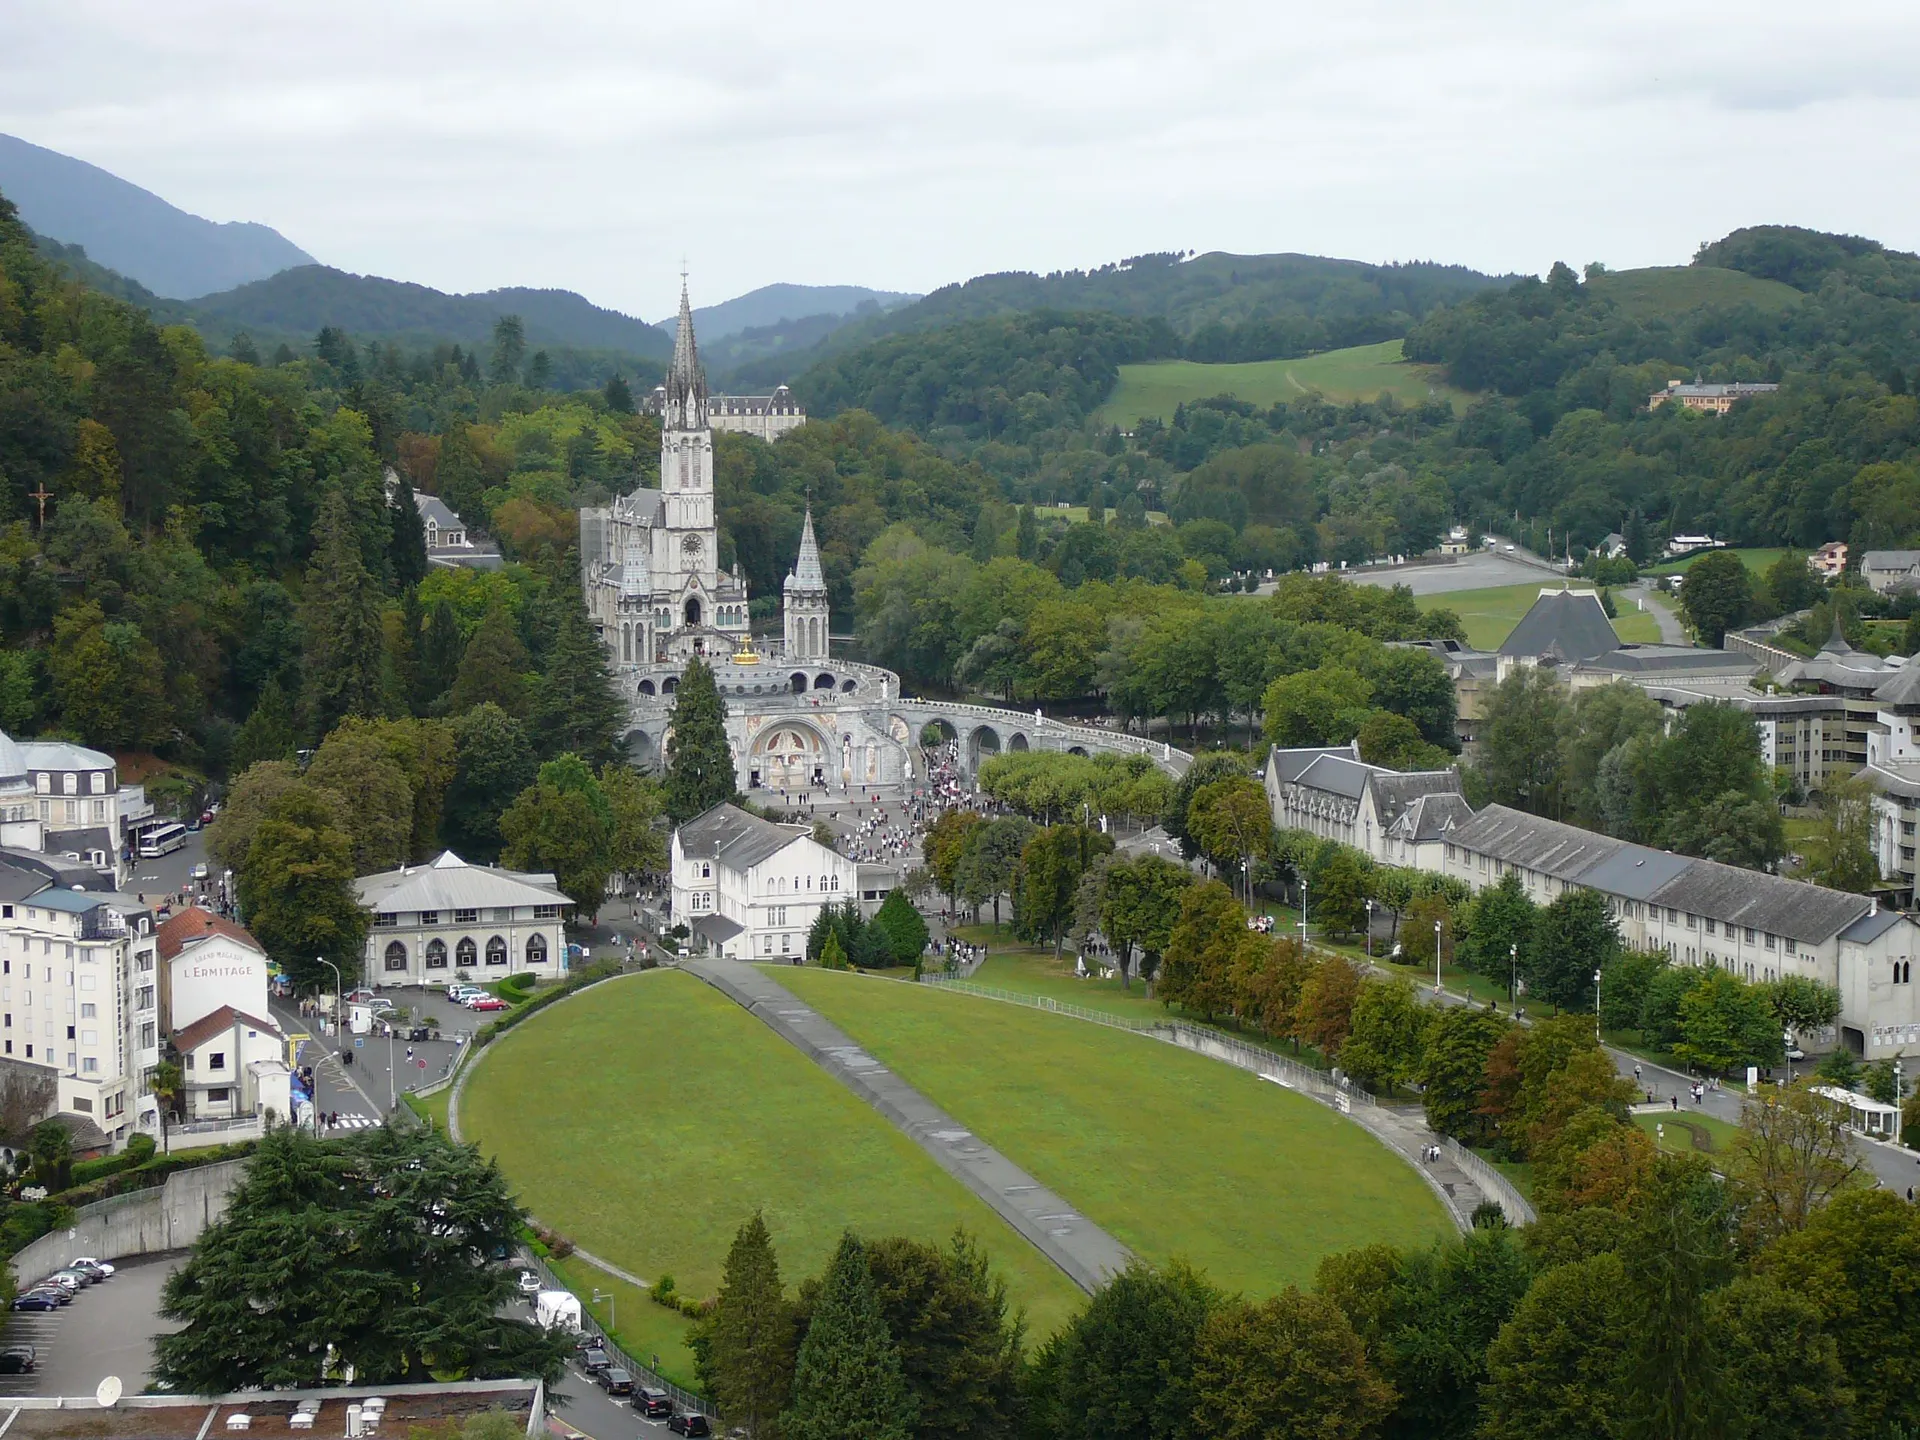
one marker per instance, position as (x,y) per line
(690,552)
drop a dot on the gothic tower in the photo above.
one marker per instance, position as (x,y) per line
(686,556)
(806,600)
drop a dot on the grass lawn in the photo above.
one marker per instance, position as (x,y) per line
(1031,970)
(1172,1153)
(1360,372)
(1755,560)
(432,1109)
(1490,615)
(640,1327)
(1688,1132)
(648,1120)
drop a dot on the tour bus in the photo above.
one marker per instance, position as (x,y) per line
(162,839)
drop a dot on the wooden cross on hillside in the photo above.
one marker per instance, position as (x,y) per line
(42,495)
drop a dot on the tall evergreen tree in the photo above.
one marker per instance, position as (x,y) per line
(296,888)
(405,653)
(750,1338)
(619,395)
(268,733)
(493,763)
(407,550)
(440,652)
(345,644)
(509,345)
(493,668)
(847,1379)
(700,771)
(579,709)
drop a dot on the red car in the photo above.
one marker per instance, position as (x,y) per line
(487,1002)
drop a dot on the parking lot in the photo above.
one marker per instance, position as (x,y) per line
(107,1330)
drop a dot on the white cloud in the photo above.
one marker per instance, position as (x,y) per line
(593,145)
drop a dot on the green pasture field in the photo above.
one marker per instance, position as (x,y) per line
(1360,372)
(648,1119)
(1689,1132)
(1675,289)
(1490,615)
(1173,1154)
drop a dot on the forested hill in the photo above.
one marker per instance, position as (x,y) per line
(302,301)
(1221,307)
(133,230)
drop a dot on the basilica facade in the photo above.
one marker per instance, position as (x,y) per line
(799,720)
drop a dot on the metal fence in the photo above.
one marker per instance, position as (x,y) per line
(1495,1186)
(642,1374)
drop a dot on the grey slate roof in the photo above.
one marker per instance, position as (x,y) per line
(717,928)
(1567,624)
(1872,926)
(1430,817)
(1890,560)
(1394,790)
(1635,871)
(1654,659)
(433,508)
(1902,687)
(1337,775)
(450,883)
(731,836)
(1517,838)
(1727,893)
(1288,764)
(1794,908)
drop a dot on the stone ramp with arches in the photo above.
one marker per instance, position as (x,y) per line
(983,731)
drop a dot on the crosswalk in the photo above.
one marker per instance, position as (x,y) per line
(355,1122)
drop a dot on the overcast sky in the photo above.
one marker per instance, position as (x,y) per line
(593,145)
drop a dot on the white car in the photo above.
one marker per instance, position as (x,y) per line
(102,1266)
(460,992)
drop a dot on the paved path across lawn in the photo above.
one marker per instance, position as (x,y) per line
(1084,1252)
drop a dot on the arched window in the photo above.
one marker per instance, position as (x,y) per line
(497,951)
(693,610)
(536,949)
(464,953)
(834,883)
(436,954)
(396,956)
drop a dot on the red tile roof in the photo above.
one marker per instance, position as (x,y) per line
(223,1019)
(194,923)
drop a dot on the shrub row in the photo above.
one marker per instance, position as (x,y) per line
(664,1293)
(145,1176)
(591,975)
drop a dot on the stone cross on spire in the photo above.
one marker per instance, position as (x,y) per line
(686,381)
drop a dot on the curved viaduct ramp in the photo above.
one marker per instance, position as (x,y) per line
(984,731)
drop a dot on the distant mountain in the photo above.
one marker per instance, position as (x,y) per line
(1223,307)
(773,305)
(297,303)
(134,231)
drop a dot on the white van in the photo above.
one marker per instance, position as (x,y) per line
(557,1310)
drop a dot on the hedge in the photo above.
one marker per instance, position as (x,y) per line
(146,1176)
(592,975)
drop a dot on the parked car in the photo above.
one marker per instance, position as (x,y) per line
(60,1280)
(652,1403)
(87,1262)
(363,996)
(460,990)
(487,1002)
(83,1277)
(18,1359)
(529,1284)
(693,1425)
(36,1300)
(595,1359)
(615,1381)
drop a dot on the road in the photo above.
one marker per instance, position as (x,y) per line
(362,1090)
(1672,632)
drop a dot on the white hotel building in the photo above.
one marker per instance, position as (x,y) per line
(433,922)
(750,889)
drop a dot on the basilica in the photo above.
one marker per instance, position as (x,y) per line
(650,566)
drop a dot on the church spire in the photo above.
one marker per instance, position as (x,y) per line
(806,570)
(686,381)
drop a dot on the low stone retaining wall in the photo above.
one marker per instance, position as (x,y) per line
(145,1222)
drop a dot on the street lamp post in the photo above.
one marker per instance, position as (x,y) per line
(1513,973)
(1303,915)
(613,1308)
(1596,1004)
(1369,927)
(337,986)
(1436,957)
